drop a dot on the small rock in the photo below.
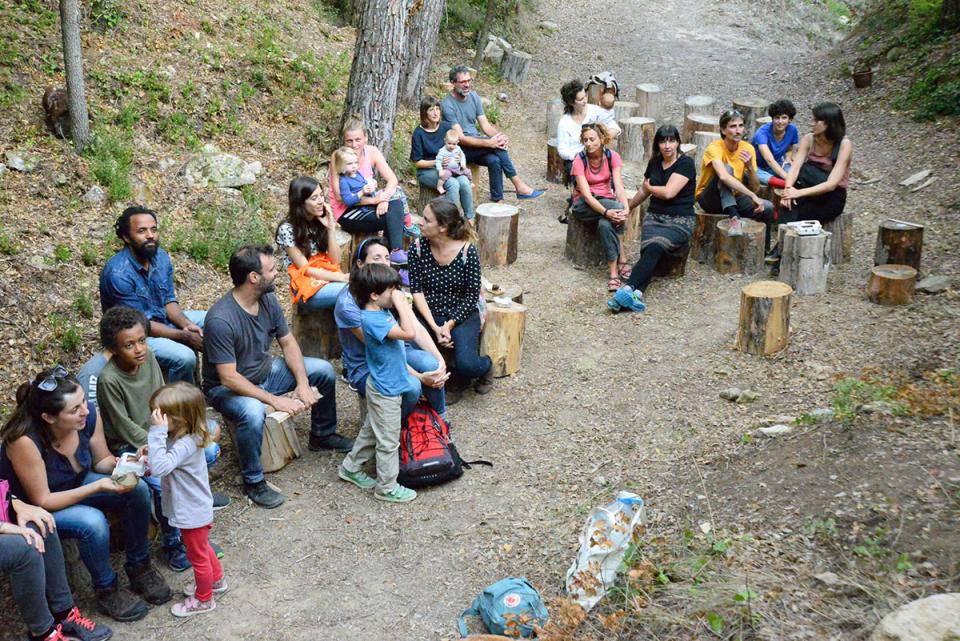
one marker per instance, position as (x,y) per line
(821,415)
(502,97)
(3,169)
(731,394)
(493,53)
(933,618)
(21,161)
(829,579)
(601,480)
(39,262)
(933,284)
(256,167)
(60,179)
(503,44)
(219,170)
(548,26)
(774,431)
(877,407)
(95,195)
(166,163)
(747,396)
(486,102)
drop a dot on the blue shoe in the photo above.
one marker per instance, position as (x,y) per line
(412,231)
(176,558)
(613,305)
(637,304)
(536,193)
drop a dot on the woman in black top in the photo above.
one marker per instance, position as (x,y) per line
(668,225)
(445,283)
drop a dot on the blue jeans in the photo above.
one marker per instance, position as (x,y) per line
(86,523)
(459,190)
(467,362)
(325,298)
(177,360)
(420,361)
(498,164)
(248,413)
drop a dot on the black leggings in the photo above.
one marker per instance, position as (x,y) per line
(642,272)
(365,220)
(824,207)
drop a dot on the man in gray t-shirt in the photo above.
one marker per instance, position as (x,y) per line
(485,146)
(240,377)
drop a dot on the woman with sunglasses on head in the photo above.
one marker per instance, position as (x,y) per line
(55,456)
(424,361)
(668,225)
(729,165)
(309,240)
(599,196)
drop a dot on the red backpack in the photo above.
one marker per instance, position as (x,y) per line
(427,455)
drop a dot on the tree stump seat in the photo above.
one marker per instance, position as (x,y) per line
(316,332)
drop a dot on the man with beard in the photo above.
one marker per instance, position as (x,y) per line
(240,376)
(141,276)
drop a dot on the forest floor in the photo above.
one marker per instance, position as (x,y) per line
(609,402)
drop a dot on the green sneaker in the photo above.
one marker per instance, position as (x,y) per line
(360,479)
(399,494)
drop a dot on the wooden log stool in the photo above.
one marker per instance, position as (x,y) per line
(556,172)
(348,244)
(636,138)
(554,114)
(764,326)
(759,122)
(702,140)
(316,332)
(633,227)
(426,195)
(649,101)
(703,241)
(706,105)
(892,284)
(623,109)
(497,225)
(514,66)
(739,254)
(672,265)
(751,108)
(841,245)
(493,290)
(502,337)
(688,149)
(476,173)
(699,122)
(899,243)
(280,444)
(583,245)
(805,261)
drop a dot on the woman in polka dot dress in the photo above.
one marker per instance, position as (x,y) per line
(445,283)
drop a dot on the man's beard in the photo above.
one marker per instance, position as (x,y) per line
(267,289)
(146,251)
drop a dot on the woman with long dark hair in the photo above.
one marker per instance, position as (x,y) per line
(668,225)
(426,141)
(445,283)
(309,242)
(55,456)
(576,113)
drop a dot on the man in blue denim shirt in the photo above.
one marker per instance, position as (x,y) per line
(141,276)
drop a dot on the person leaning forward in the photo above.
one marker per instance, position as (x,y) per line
(240,376)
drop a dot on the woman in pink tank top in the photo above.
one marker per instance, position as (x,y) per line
(381,212)
(816,188)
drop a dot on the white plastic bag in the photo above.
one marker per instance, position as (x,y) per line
(603,543)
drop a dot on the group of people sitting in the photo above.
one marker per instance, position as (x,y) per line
(812,171)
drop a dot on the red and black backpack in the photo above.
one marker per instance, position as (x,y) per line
(427,455)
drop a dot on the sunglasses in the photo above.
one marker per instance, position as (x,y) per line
(50,383)
(732,113)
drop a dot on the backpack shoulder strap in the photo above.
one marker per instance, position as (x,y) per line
(473,610)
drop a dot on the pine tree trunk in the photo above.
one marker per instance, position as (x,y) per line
(950,15)
(73,66)
(423,29)
(375,72)
(484,33)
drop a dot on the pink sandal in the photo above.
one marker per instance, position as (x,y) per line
(613,284)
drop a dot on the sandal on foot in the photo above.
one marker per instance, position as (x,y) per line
(614,284)
(625,270)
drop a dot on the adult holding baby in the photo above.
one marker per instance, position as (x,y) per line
(427,141)
(383,211)
(55,456)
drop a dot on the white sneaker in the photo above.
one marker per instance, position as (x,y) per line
(735,228)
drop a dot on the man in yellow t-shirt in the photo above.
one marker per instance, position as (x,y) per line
(721,188)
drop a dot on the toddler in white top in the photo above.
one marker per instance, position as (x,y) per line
(456,163)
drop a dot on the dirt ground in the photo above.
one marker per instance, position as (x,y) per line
(605,402)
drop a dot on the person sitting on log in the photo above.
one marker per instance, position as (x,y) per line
(727,164)
(816,187)
(775,143)
(384,212)
(670,219)
(424,361)
(463,107)
(445,283)
(310,243)
(427,140)
(599,196)
(576,113)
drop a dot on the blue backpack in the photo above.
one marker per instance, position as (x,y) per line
(510,607)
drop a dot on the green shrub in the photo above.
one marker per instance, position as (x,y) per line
(88,253)
(8,244)
(936,92)
(106,15)
(62,254)
(111,158)
(215,233)
(83,303)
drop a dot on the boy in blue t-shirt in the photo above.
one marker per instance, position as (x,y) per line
(775,143)
(376,288)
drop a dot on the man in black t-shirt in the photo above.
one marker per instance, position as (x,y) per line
(240,376)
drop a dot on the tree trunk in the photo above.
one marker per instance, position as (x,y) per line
(73,68)
(650,101)
(891,284)
(423,30)
(636,138)
(764,326)
(706,105)
(484,34)
(841,245)
(899,243)
(502,337)
(583,243)
(950,15)
(375,72)
(702,140)
(741,254)
(497,226)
